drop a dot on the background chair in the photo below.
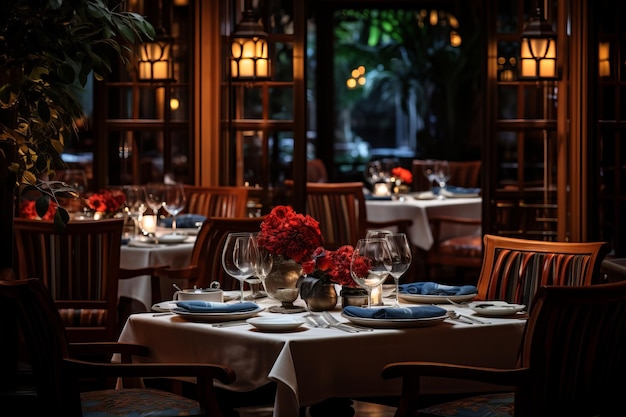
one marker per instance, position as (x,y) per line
(34,335)
(571,362)
(341,212)
(219,201)
(80,267)
(206,258)
(513,269)
(464,253)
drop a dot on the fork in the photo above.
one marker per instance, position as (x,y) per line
(313,318)
(336,323)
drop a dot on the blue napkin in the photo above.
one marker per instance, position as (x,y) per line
(377,197)
(184,221)
(420,312)
(461,190)
(432,288)
(199,306)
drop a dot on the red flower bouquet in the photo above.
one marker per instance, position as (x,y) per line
(106,201)
(290,234)
(402,174)
(334,266)
(28,210)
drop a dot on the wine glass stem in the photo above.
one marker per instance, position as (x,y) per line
(397,282)
(241,290)
(173,222)
(369,298)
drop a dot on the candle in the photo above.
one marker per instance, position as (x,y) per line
(377,295)
(148,223)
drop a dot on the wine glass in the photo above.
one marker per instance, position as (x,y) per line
(428,168)
(155,196)
(174,200)
(370,264)
(135,205)
(401,257)
(262,267)
(239,257)
(442,175)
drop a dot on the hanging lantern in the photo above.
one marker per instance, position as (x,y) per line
(538,50)
(249,50)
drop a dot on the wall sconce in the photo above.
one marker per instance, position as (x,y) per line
(249,55)
(604,59)
(155,57)
(538,54)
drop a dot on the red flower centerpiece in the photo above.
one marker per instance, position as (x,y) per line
(402,174)
(107,202)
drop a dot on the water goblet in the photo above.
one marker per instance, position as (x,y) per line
(135,205)
(401,258)
(239,258)
(263,266)
(442,175)
(370,264)
(428,168)
(174,200)
(155,195)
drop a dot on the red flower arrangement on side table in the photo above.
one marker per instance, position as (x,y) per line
(106,201)
(402,174)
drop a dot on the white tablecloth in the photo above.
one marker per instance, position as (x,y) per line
(132,257)
(418,211)
(314,364)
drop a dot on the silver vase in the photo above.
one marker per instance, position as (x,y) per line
(281,284)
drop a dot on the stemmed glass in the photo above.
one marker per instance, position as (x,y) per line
(370,264)
(401,257)
(442,175)
(428,168)
(262,267)
(174,200)
(155,195)
(239,257)
(135,205)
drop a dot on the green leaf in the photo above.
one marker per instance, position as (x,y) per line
(41,205)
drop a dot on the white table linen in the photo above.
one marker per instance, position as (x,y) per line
(419,211)
(133,257)
(313,364)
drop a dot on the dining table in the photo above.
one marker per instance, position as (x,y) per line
(311,365)
(418,210)
(138,253)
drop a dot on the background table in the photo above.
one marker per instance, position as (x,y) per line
(418,211)
(132,257)
(314,364)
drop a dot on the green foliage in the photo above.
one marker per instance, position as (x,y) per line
(48,49)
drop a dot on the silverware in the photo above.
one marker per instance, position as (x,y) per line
(162,314)
(332,322)
(230,323)
(331,319)
(455,316)
(470,318)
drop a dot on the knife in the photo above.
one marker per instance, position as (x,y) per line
(230,323)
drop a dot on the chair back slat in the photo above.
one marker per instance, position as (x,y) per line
(513,269)
(80,267)
(575,347)
(221,201)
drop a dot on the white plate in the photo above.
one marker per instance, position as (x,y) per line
(395,323)
(425,195)
(434,299)
(212,317)
(178,237)
(164,306)
(495,308)
(276,324)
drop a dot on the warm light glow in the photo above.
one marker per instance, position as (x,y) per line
(538,58)
(377,295)
(361,81)
(351,82)
(355,73)
(249,58)
(604,61)
(154,62)
(434,17)
(174,104)
(149,223)
(361,69)
(455,39)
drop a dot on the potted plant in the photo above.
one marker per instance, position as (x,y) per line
(48,49)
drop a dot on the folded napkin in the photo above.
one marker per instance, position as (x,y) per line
(420,312)
(184,221)
(432,288)
(453,190)
(199,306)
(377,197)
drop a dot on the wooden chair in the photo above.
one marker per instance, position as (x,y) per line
(80,267)
(341,212)
(513,269)
(34,337)
(462,252)
(219,201)
(206,258)
(571,362)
